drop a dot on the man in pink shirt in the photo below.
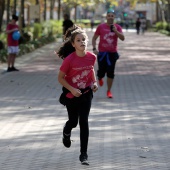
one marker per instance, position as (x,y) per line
(107,54)
(12,44)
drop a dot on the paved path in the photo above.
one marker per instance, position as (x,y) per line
(129,132)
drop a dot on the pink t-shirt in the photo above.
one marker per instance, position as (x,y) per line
(79,70)
(10,40)
(108,39)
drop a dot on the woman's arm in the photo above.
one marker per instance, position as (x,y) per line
(63,82)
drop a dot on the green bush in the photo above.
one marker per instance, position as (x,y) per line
(37,30)
(3,55)
(165,24)
(3,38)
(2,46)
(165,32)
(168,27)
(161,26)
(52,27)
(85,23)
(25,48)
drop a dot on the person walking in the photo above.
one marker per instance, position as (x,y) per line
(13,48)
(138,24)
(126,24)
(107,54)
(67,23)
(92,23)
(143,25)
(77,76)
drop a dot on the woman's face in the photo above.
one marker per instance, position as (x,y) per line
(80,42)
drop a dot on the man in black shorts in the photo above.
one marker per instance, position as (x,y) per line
(107,54)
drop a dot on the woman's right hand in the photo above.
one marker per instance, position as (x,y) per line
(76,92)
(94,87)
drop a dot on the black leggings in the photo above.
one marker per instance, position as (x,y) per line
(78,109)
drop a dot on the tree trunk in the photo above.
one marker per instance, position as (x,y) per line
(75,15)
(37,2)
(157,11)
(52,8)
(37,19)
(45,10)
(2,8)
(59,9)
(22,21)
(15,6)
(163,15)
(169,13)
(8,10)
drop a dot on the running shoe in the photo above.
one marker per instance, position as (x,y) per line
(83,158)
(101,82)
(66,139)
(109,94)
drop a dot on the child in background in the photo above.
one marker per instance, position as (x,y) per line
(77,76)
(13,48)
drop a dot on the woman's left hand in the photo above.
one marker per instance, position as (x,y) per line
(94,87)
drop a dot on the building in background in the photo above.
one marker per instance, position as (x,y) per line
(147,10)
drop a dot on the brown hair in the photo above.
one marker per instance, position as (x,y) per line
(69,37)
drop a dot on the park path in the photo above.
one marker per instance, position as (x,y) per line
(128,132)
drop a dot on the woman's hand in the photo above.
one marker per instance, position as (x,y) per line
(76,92)
(94,87)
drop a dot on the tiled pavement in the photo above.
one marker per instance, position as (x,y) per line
(129,132)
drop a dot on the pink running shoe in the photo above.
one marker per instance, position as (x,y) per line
(109,94)
(101,82)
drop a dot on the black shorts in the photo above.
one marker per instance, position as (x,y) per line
(106,64)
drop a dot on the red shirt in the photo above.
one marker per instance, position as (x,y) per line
(10,40)
(79,70)
(108,40)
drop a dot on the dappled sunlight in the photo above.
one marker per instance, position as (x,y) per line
(129,131)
